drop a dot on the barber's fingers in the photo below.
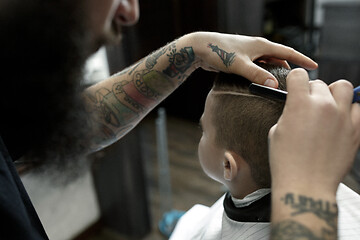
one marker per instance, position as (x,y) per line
(355,118)
(320,90)
(283,52)
(343,93)
(258,75)
(297,84)
(275,61)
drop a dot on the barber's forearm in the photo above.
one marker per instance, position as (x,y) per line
(306,214)
(120,102)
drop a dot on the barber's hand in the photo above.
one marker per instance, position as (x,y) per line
(315,141)
(237,53)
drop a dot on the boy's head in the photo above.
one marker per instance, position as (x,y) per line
(233,149)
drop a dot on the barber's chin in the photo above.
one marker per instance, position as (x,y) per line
(100,43)
(94,48)
(114,36)
(107,38)
(113,39)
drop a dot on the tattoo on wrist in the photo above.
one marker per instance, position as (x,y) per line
(180,62)
(227,58)
(326,213)
(324,210)
(293,230)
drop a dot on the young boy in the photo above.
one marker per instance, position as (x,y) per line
(233,151)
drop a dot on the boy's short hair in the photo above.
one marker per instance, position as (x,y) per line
(242,121)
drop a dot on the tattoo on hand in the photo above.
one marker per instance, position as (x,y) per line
(227,58)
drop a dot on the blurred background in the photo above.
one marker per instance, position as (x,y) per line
(154,169)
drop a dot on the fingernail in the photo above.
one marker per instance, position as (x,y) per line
(270,83)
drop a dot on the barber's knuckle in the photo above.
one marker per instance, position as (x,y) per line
(261,40)
(298,71)
(291,50)
(342,83)
(327,107)
(295,74)
(318,82)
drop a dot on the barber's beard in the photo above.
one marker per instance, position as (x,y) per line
(44,46)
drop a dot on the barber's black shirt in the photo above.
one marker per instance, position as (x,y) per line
(18,219)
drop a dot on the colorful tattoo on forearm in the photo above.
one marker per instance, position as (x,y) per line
(115,113)
(325,211)
(151,61)
(119,109)
(227,58)
(108,117)
(144,90)
(135,67)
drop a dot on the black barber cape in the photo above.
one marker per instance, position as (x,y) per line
(258,211)
(18,218)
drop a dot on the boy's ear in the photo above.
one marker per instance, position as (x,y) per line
(230,166)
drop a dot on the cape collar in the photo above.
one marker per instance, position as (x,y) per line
(257,211)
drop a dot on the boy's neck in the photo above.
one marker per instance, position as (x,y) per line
(250,198)
(240,189)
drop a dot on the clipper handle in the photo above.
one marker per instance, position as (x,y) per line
(356,95)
